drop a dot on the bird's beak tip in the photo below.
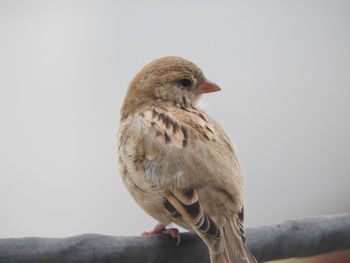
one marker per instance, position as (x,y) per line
(208,87)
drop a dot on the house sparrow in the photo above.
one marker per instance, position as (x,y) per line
(178,163)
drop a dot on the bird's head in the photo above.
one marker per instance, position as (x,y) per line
(168,81)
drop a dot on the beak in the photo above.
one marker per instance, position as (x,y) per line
(207,87)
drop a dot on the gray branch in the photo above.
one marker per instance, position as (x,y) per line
(291,238)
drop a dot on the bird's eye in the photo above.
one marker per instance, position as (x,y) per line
(186,82)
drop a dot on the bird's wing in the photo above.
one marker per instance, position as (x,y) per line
(185,153)
(226,243)
(183,141)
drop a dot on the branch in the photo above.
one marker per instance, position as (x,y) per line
(291,238)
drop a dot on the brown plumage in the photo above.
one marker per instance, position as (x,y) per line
(177,162)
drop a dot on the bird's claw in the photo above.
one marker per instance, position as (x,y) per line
(160,228)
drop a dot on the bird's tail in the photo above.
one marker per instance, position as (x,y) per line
(233,248)
(226,243)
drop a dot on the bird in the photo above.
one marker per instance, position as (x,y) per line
(178,163)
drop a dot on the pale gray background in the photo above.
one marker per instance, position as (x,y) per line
(64,67)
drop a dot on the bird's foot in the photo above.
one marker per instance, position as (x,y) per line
(160,228)
(174,233)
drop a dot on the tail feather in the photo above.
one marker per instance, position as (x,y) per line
(226,243)
(231,247)
(236,250)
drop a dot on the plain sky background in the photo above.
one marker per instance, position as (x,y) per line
(284,70)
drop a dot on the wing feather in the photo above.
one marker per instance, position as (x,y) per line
(187,204)
(182,147)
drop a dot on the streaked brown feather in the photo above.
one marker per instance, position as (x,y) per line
(175,125)
(191,210)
